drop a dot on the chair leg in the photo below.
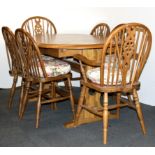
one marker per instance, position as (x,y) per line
(53,94)
(12,92)
(71,96)
(105,118)
(118,98)
(80,103)
(21,98)
(39,105)
(139,111)
(25,98)
(67,85)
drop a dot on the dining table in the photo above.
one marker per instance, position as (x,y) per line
(66,46)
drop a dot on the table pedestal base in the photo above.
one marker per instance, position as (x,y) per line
(81,121)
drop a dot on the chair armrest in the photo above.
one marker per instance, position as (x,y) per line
(93,63)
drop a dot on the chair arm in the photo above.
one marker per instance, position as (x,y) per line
(93,63)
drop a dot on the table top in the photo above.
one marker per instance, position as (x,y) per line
(69,41)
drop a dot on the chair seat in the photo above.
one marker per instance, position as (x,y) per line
(94,74)
(55,67)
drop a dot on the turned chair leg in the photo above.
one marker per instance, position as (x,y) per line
(12,92)
(21,98)
(105,118)
(39,105)
(26,88)
(139,111)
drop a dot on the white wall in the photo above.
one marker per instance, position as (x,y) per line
(78,20)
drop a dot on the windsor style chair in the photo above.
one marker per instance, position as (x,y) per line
(15,67)
(42,70)
(124,55)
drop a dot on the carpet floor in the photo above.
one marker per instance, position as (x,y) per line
(125,132)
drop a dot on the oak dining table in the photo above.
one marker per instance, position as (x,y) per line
(68,45)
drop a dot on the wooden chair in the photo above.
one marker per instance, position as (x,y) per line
(15,69)
(101,30)
(118,71)
(39,25)
(45,71)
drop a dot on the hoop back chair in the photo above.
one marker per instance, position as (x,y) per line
(14,61)
(42,70)
(38,25)
(118,71)
(101,30)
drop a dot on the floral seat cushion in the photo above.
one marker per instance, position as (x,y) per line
(55,67)
(94,74)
